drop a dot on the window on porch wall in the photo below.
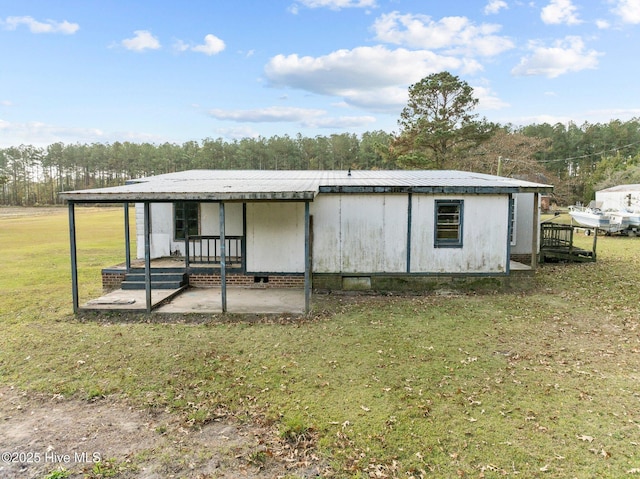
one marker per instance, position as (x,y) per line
(186,219)
(448,227)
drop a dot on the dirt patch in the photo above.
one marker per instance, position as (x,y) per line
(107,438)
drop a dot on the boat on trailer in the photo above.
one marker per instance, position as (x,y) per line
(592,216)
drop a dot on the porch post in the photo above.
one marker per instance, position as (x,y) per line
(127,238)
(74,258)
(147,256)
(307,259)
(409,221)
(536,231)
(510,215)
(223,260)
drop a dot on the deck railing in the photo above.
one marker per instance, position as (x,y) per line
(557,244)
(556,235)
(204,249)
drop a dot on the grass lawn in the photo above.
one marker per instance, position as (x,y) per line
(537,383)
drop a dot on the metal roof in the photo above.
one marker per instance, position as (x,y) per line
(621,188)
(299,185)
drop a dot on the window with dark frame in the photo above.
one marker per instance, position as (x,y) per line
(448,227)
(185,219)
(512,219)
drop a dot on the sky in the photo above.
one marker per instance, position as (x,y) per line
(90,71)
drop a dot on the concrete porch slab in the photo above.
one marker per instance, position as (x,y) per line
(239,301)
(128,300)
(204,300)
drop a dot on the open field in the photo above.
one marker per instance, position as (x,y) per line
(537,383)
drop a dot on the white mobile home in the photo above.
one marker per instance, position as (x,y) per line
(620,198)
(331,229)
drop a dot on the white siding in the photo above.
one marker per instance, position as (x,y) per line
(359,233)
(210,219)
(327,243)
(275,237)
(619,200)
(356,233)
(485,230)
(161,238)
(524,223)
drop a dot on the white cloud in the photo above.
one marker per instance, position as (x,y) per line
(180,46)
(143,40)
(237,133)
(539,119)
(453,34)
(560,12)
(35,26)
(628,10)
(388,99)
(577,117)
(334,4)
(602,24)
(212,45)
(311,118)
(271,114)
(487,99)
(41,134)
(494,6)
(564,56)
(619,113)
(6,103)
(339,122)
(371,77)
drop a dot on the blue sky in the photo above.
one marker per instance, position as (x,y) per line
(104,71)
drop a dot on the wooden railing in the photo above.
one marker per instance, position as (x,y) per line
(556,244)
(556,235)
(203,249)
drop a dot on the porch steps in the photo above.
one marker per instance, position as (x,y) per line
(159,280)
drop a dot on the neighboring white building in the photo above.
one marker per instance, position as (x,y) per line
(333,228)
(621,197)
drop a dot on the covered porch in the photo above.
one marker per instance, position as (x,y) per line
(215,264)
(224,257)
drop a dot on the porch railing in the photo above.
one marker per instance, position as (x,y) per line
(556,235)
(203,249)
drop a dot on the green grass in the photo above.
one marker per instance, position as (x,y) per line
(542,383)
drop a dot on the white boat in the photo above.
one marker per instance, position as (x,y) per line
(593,217)
(627,218)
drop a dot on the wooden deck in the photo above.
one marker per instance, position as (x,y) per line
(557,244)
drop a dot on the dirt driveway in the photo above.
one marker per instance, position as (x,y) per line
(107,438)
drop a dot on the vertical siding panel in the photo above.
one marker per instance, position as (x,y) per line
(394,259)
(484,236)
(210,219)
(275,237)
(362,233)
(327,244)
(161,237)
(359,233)
(524,223)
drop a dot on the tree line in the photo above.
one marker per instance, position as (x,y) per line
(438,130)
(32,175)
